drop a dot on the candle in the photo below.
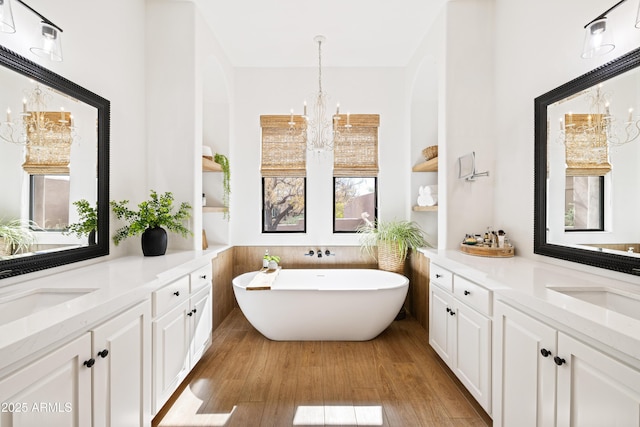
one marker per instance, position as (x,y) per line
(8,115)
(338,108)
(24,105)
(348,114)
(62,114)
(560,122)
(71,120)
(305,108)
(291,116)
(630,115)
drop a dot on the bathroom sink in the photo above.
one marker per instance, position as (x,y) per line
(23,304)
(626,303)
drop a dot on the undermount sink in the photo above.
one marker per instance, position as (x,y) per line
(23,304)
(626,303)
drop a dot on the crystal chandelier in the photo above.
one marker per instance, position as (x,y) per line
(322,129)
(39,127)
(600,128)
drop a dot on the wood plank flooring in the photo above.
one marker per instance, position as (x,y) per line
(247,380)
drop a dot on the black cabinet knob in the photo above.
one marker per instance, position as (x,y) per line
(452,313)
(545,352)
(177,293)
(194,310)
(559,361)
(448,310)
(438,276)
(204,276)
(103,353)
(467,293)
(89,363)
(190,313)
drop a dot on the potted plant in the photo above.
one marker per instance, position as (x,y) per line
(223,161)
(392,239)
(15,236)
(150,218)
(271,261)
(88,221)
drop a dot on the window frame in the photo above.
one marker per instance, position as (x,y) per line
(601,208)
(375,202)
(264,213)
(32,202)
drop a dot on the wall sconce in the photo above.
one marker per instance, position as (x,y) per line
(467,167)
(50,45)
(598,37)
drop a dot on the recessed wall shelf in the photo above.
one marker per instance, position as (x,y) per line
(210,166)
(425,208)
(214,209)
(428,166)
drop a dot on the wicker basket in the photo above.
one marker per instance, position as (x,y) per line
(430,152)
(389,257)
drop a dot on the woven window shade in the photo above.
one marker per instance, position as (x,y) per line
(586,154)
(283,153)
(47,154)
(355,152)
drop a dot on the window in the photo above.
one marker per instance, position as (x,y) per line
(283,168)
(49,204)
(283,204)
(584,203)
(354,200)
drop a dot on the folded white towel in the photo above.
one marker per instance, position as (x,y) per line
(263,280)
(427,200)
(429,189)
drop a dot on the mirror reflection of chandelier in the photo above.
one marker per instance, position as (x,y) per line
(39,127)
(599,128)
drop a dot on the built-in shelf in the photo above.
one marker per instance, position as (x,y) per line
(214,209)
(425,208)
(210,166)
(428,166)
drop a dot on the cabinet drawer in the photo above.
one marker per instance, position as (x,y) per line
(441,277)
(170,296)
(200,277)
(473,295)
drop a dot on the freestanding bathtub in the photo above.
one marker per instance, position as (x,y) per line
(323,305)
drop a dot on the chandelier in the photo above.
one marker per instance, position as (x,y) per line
(322,129)
(37,127)
(599,128)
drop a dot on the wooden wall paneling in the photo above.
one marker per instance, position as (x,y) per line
(419,288)
(223,299)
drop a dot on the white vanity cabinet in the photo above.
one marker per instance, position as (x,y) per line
(182,328)
(546,377)
(460,330)
(98,379)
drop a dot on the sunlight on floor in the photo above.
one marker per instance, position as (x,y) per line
(338,415)
(191,404)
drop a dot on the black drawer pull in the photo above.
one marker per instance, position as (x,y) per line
(559,361)
(467,292)
(177,293)
(545,352)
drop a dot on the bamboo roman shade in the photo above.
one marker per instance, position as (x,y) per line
(48,153)
(283,152)
(356,149)
(587,153)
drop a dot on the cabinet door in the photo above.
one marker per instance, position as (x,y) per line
(201,323)
(472,355)
(54,391)
(524,381)
(595,389)
(170,353)
(441,323)
(122,373)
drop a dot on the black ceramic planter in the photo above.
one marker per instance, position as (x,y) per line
(154,241)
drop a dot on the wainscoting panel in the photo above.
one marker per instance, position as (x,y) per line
(419,288)
(223,299)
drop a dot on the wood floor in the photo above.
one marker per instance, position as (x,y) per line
(246,380)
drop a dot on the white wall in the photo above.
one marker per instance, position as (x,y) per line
(260,91)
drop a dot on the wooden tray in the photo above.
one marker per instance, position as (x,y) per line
(487,251)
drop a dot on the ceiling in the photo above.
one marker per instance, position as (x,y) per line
(280,33)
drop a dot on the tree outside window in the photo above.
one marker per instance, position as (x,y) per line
(283,204)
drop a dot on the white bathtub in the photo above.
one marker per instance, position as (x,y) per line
(323,305)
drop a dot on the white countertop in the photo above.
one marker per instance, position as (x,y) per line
(524,283)
(119,283)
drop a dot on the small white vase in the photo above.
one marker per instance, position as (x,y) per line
(272,265)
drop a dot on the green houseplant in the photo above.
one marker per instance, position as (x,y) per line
(389,242)
(223,161)
(15,236)
(150,218)
(88,221)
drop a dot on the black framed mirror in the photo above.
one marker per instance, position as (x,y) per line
(587,168)
(54,147)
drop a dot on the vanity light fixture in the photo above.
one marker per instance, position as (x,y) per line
(598,37)
(50,46)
